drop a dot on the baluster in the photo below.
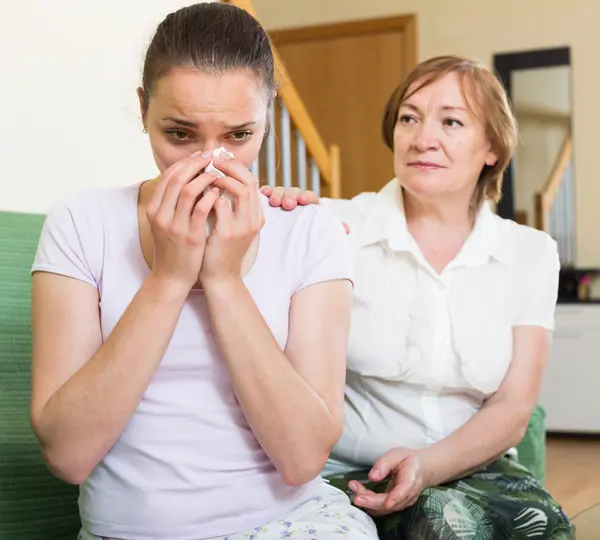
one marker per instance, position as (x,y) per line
(564,213)
(270,156)
(315,177)
(286,150)
(301,157)
(559,220)
(570,214)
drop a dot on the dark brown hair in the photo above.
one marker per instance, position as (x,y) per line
(491,106)
(212,37)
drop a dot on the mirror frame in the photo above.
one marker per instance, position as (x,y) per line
(504,65)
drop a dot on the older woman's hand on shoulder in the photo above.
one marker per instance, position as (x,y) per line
(290,198)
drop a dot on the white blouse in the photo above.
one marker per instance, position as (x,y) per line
(427,349)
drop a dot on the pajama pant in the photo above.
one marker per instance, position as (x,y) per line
(327,516)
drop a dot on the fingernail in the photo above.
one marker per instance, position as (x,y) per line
(376,473)
(392,503)
(224,156)
(359,501)
(196,153)
(206,154)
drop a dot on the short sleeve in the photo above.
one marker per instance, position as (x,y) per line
(353,212)
(326,254)
(538,302)
(63,246)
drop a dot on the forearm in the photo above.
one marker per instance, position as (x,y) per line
(483,439)
(84,418)
(291,421)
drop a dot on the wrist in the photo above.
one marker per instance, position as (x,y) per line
(165,290)
(221,287)
(425,465)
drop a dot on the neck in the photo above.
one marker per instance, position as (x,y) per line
(447,213)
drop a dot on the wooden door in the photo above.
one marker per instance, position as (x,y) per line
(345,74)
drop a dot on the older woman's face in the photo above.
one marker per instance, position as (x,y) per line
(440,147)
(192,110)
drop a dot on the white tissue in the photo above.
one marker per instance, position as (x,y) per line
(217,153)
(210,222)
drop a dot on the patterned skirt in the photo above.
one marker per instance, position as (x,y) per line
(501,502)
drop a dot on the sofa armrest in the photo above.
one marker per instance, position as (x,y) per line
(532,449)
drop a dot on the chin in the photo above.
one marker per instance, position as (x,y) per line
(425,194)
(423,187)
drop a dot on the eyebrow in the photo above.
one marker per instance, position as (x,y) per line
(241,126)
(445,107)
(187,123)
(179,121)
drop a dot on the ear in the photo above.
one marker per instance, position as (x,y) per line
(141,99)
(491,159)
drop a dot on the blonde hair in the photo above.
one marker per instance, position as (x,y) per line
(491,102)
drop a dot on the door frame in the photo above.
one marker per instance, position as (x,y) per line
(407,24)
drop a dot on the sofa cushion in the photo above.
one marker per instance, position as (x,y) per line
(34,505)
(532,449)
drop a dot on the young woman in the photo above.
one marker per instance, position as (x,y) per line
(194,387)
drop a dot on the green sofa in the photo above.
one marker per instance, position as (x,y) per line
(34,505)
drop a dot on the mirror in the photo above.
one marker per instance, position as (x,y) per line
(539,187)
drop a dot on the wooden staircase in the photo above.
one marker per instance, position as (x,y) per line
(294,153)
(553,205)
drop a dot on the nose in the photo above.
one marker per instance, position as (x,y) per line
(426,136)
(211,146)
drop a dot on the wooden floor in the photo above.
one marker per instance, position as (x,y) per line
(573,472)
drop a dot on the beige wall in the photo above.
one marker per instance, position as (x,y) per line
(479,29)
(70,113)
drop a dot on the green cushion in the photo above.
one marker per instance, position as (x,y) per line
(532,449)
(34,505)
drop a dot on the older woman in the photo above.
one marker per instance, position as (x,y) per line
(451,330)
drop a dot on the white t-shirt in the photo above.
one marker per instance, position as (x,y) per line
(187,466)
(426,349)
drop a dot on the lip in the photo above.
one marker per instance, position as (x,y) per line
(425,165)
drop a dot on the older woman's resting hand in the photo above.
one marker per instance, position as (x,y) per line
(406,483)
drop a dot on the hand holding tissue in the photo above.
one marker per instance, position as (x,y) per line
(234,230)
(210,222)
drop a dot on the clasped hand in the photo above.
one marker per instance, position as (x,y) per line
(178,212)
(405,485)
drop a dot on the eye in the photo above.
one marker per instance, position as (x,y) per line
(241,136)
(177,135)
(453,122)
(406,119)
